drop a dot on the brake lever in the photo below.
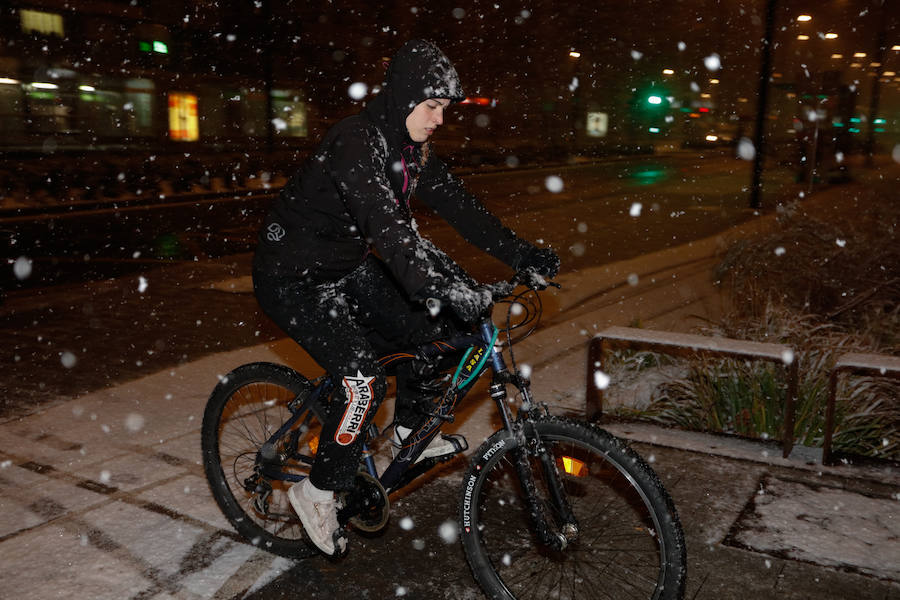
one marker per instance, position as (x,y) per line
(533,280)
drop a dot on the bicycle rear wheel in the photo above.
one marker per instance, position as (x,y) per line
(630,542)
(245,409)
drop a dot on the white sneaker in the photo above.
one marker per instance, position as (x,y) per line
(438,446)
(317,510)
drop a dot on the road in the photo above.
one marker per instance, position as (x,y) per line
(591,212)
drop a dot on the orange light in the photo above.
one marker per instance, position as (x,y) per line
(313,444)
(480,101)
(573,466)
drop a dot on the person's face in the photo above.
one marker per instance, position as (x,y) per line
(425,118)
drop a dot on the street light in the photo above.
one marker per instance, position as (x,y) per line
(831,36)
(804,18)
(575,54)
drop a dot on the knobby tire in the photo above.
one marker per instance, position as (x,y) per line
(243,411)
(630,542)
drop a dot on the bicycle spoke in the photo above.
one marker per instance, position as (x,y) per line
(251,405)
(617,552)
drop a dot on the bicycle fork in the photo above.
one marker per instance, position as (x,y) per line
(564,531)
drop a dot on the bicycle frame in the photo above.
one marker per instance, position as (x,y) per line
(481,353)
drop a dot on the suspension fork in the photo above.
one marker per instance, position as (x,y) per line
(528,443)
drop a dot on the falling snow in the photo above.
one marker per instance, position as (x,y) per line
(68,359)
(449,531)
(22,268)
(358,90)
(601,380)
(713,62)
(745,149)
(554,184)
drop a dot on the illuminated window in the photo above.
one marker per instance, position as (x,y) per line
(597,124)
(41,22)
(183,122)
(290,116)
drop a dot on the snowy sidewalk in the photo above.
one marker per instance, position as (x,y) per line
(104,496)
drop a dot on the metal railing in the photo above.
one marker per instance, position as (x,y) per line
(687,345)
(877,365)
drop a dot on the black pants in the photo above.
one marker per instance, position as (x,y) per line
(345,326)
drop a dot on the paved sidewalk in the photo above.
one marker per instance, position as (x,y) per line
(103,495)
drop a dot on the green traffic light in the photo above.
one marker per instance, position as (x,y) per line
(654,99)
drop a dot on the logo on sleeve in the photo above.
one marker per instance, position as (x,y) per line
(359,400)
(275,232)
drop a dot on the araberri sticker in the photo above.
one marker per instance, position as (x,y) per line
(359,400)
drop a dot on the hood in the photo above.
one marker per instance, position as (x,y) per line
(418,71)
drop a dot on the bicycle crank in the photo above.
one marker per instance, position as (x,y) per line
(367,506)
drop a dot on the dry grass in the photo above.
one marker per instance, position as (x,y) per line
(824,284)
(841,267)
(747,398)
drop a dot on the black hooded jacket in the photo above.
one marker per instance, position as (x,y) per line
(352,195)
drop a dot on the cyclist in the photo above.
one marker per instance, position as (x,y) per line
(342,269)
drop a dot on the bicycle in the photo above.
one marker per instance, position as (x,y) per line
(550,507)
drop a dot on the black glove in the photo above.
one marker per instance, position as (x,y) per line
(543,261)
(468,302)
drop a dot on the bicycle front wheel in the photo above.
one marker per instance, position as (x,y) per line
(250,481)
(629,543)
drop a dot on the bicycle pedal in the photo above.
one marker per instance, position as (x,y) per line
(341,542)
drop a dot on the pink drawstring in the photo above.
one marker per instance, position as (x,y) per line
(405,173)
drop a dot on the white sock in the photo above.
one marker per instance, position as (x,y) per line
(315,494)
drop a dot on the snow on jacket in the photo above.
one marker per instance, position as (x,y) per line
(352,195)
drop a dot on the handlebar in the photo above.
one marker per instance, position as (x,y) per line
(528,278)
(471,303)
